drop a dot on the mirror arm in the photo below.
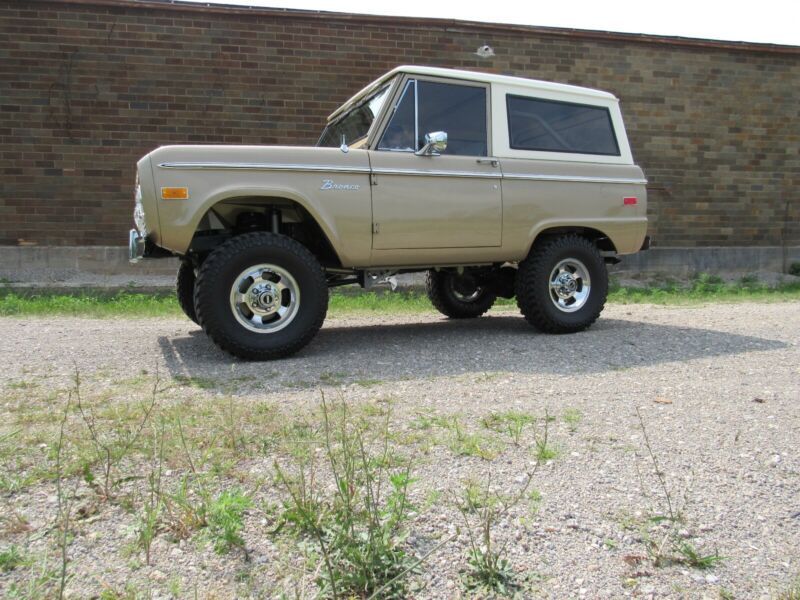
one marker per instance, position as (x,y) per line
(435,144)
(427,150)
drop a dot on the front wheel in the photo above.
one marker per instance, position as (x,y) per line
(458,296)
(261,296)
(184,288)
(562,285)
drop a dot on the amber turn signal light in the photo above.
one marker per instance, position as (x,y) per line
(174,193)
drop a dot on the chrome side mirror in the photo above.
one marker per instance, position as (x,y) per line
(435,144)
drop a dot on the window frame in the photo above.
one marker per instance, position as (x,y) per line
(391,113)
(392,91)
(390,107)
(614,135)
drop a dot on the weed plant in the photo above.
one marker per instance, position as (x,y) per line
(111,445)
(225,520)
(481,508)
(668,546)
(359,523)
(10,559)
(510,423)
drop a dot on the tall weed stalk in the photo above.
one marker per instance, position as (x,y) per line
(358,523)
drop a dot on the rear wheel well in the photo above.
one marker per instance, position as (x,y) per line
(235,216)
(600,239)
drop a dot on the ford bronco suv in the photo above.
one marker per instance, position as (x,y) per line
(494,185)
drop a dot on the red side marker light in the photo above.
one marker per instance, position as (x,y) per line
(629,201)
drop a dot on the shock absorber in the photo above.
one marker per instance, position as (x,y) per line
(275,220)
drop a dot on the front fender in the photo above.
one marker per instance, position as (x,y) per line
(343,211)
(183,224)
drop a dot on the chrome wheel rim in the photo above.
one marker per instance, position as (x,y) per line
(467,298)
(570,285)
(265,298)
(464,293)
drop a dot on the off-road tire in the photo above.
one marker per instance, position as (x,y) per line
(213,295)
(533,284)
(439,286)
(184,288)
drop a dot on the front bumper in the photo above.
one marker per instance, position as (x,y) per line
(140,247)
(136,246)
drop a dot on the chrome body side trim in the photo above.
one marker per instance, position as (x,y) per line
(424,172)
(265,167)
(471,174)
(574,178)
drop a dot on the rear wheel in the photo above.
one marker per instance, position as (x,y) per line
(458,296)
(562,285)
(184,288)
(261,296)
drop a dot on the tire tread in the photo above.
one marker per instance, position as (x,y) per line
(184,289)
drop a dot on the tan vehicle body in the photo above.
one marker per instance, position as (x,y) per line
(498,187)
(397,209)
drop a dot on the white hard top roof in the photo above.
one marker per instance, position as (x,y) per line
(533,84)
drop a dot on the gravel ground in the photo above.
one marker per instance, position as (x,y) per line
(717,387)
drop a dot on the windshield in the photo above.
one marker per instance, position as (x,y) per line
(355,123)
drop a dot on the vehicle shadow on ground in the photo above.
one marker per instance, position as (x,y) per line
(345,354)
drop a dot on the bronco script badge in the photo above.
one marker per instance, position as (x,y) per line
(328,184)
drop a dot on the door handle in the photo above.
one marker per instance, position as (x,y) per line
(488,161)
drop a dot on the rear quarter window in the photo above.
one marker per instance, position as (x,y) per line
(555,126)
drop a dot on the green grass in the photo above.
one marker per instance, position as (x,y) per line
(10,558)
(226,520)
(544,451)
(511,423)
(692,557)
(572,416)
(88,304)
(372,302)
(704,288)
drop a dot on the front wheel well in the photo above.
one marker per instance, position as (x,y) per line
(236,216)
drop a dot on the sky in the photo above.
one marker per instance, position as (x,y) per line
(766,21)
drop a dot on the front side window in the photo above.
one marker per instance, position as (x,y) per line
(355,123)
(401,134)
(553,126)
(427,106)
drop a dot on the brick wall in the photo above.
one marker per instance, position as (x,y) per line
(87,87)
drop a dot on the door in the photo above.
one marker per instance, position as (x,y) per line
(450,200)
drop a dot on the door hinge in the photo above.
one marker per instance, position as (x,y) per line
(373,179)
(376,228)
